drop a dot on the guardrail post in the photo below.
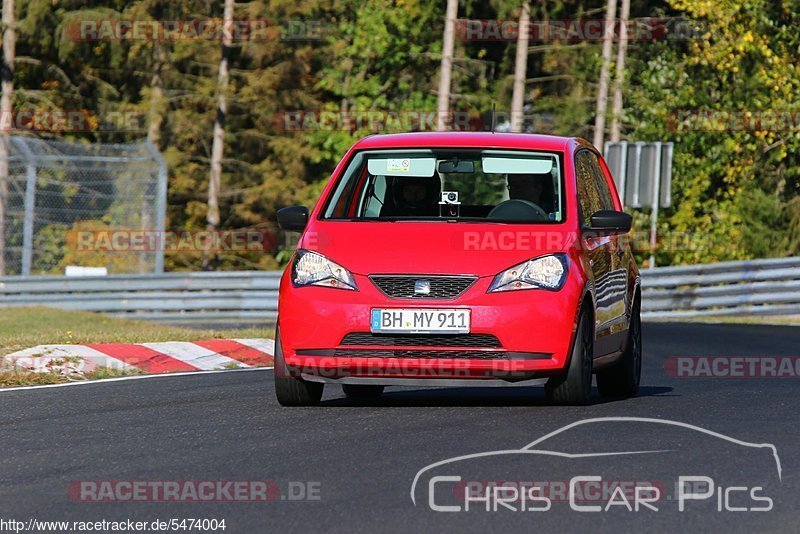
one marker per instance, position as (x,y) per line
(27,225)
(30,205)
(654,211)
(161,204)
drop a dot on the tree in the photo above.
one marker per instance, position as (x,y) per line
(725,98)
(605,67)
(619,77)
(218,144)
(445,73)
(520,68)
(6,110)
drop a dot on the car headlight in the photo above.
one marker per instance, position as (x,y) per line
(547,272)
(312,269)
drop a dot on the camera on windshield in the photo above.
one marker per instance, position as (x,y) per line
(449,197)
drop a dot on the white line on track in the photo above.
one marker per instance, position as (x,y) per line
(134,377)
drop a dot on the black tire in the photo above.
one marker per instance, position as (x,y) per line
(293,391)
(297,392)
(575,386)
(359,391)
(622,379)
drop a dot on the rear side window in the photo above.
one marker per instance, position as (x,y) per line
(606,199)
(589,197)
(593,191)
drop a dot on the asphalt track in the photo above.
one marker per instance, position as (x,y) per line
(363,457)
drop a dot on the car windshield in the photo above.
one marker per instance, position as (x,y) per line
(468,185)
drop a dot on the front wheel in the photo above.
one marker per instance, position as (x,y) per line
(622,380)
(289,390)
(297,392)
(574,387)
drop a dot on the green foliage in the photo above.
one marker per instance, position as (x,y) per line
(735,192)
(732,184)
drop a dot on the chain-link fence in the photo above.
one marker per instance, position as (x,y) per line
(63,204)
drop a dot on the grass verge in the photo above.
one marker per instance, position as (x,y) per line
(21,328)
(13,378)
(10,379)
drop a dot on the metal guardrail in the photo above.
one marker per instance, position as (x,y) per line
(756,287)
(175,298)
(759,287)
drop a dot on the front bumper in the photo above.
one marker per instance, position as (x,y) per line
(437,381)
(534,329)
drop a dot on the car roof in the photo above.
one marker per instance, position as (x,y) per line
(469,140)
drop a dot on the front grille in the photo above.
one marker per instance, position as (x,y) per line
(425,340)
(421,354)
(441,287)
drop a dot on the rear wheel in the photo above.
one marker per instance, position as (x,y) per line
(293,391)
(575,385)
(358,391)
(622,380)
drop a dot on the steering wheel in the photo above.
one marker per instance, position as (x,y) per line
(517,209)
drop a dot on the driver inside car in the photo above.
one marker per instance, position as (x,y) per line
(414,196)
(531,187)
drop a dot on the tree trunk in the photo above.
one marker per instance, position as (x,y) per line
(156,111)
(622,48)
(155,120)
(6,109)
(602,88)
(446,70)
(520,68)
(212,217)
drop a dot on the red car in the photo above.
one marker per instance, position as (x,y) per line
(461,259)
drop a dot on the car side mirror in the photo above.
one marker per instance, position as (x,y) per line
(611,222)
(293,218)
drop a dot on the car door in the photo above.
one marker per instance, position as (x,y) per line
(616,282)
(608,278)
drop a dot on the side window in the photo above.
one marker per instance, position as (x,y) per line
(589,200)
(606,197)
(343,195)
(374,198)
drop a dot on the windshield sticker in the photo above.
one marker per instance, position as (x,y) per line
(398,165)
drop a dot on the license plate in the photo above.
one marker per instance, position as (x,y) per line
(420,321)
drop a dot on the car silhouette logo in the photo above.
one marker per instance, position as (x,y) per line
(543,447)
(422,287)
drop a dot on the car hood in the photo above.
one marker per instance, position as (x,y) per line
(483,249)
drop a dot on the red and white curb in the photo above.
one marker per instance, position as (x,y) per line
(151,358)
